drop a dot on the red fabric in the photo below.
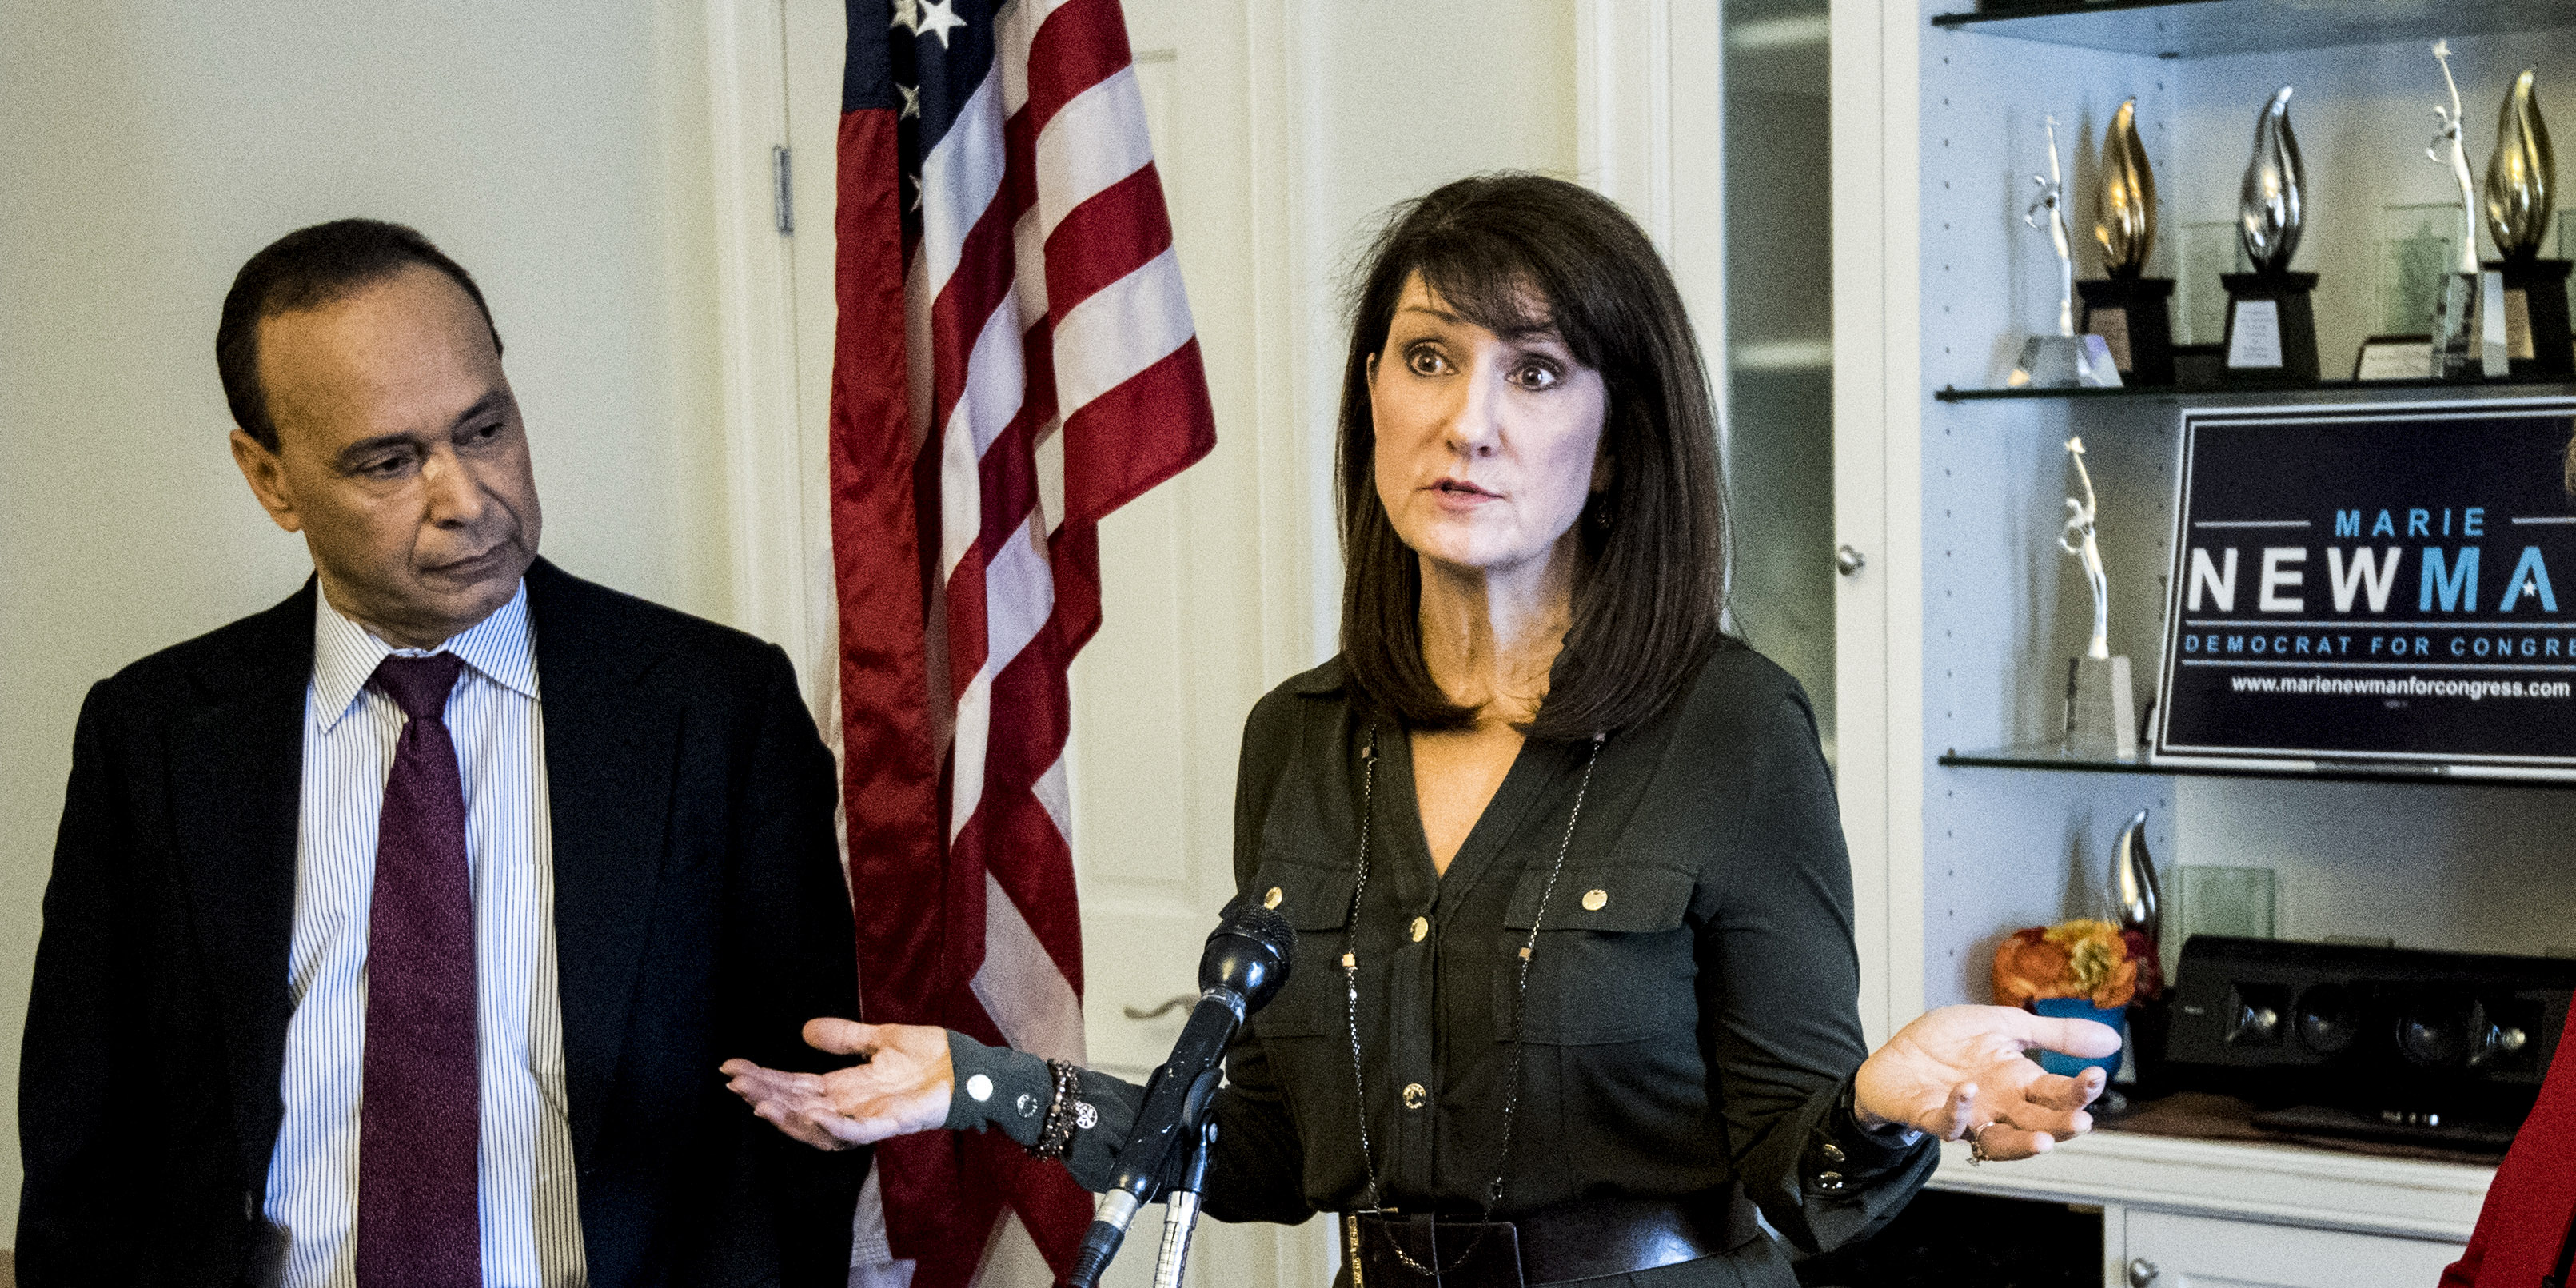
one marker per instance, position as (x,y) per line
(2534,1195)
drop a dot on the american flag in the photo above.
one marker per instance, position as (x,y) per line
(1015,360)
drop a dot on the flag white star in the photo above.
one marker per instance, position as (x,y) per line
(907,15)
(911,99)
(937,18)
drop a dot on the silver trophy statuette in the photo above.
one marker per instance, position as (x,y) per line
(2063,360)
(2271,205)
(2133,883)
(2101,710)
(2469,322)
(2078,540)
(2271,317)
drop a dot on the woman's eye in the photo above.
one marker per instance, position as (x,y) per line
(1426,362)
(1538,375)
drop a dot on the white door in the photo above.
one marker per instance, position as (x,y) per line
(2171,1251)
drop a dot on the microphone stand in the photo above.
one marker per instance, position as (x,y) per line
(1181,1210)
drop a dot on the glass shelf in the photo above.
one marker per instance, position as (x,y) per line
(2195,28)
(2176,393)
(2051,757)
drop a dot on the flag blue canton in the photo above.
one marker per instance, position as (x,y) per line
(924,59)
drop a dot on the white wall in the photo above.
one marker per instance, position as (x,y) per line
(559,151)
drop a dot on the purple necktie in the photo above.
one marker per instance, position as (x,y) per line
(419,1125)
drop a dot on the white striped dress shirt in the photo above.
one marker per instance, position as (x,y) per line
(531,1219)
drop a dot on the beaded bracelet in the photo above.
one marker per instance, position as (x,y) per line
(1066,1113)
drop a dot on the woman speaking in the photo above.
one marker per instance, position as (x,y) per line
(1574,917)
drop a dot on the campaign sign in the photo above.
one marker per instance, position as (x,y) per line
(2392,583)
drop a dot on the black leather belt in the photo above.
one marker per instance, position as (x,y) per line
(1580,1240)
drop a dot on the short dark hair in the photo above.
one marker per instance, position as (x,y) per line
(312,268)
(1516,253)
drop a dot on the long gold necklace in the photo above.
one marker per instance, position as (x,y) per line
(1520,996)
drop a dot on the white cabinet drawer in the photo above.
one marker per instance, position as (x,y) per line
(2170,1251)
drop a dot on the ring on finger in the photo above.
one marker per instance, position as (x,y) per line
(1977,1146)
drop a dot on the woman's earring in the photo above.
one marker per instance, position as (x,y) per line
(1602,517)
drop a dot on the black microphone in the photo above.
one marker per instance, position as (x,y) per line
(1245,963)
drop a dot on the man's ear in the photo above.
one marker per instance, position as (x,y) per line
(266,475)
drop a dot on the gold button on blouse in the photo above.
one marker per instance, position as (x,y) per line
(1421,928)
(1414,1095)
(1595,900)
(1271,900)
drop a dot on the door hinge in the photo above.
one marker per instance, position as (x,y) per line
(784,173)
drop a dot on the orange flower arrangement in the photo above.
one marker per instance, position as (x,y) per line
(2084,958)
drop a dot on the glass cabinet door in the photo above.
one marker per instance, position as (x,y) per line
(1777,371)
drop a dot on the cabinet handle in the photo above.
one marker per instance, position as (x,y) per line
(1849,561)
(1170,1004)
(2141,1272)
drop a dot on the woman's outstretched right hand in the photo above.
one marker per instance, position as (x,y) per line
(903,1085)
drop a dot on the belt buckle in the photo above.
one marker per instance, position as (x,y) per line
(1390,1251)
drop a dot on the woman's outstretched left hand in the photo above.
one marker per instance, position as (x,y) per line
(1963,1071)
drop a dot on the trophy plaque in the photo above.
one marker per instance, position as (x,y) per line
(2065,360)
(2469,333)
(2131,312)
(2101,703)
(2271,317)
(2522,179)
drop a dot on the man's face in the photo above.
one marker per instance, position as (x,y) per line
(401,456)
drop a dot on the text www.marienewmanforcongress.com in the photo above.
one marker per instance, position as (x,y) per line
(2408,687)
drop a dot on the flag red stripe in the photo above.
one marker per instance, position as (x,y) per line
(965,306)
(1147,429)
(890,767)
(1121,229)
(1081,44)
(1021,847)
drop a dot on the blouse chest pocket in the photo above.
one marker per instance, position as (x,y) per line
(1317,903)
(1613,963)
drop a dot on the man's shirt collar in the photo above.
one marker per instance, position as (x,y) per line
(500,648)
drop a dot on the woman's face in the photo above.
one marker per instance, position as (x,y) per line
(1487,444)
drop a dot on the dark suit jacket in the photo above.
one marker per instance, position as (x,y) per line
(699,914)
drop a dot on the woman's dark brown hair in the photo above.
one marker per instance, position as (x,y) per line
(1516,254)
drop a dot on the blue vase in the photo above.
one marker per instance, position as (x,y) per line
(2081,1008)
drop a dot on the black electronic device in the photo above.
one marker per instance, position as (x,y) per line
(1241,969)
(2341,1039)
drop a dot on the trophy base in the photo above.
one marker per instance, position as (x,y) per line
(2537,337)
(2064,362)
(2101,707)
(2470,335)
(2133,315)
(2271,329)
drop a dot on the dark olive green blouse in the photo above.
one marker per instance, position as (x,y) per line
(1690,1021)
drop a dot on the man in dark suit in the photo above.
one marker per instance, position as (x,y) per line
(395,933)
